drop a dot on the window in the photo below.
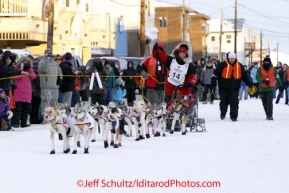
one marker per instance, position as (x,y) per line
(228,36)
(94,45)
(188,22)
(72,51)
(149,8)
(228,41)
(205,29)
(213,38)
(94,24)
(163,21)
(86,7)
(67,3)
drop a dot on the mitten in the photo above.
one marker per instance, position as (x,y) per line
(188,84)
(9,114)
(144,74)
(156,46)
(141,87)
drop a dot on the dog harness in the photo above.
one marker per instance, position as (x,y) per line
(87,121)
(129,114)
(104,113)
(162,114)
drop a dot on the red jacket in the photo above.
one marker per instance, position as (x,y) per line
(190,76)
(156,71)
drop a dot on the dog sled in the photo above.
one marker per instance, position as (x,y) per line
(189,108)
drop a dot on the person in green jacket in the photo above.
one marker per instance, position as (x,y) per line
(266,76)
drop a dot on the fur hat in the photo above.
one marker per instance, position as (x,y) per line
(57,57)
(76,84)
(189,55)
(36,59)
(1,91)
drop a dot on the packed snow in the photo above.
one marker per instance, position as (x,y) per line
(250,155)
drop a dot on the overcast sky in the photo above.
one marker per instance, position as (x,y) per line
(270,16)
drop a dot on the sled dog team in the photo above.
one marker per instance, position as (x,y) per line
(75,122)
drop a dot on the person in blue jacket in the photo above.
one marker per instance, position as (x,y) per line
(254,81)
(119,92)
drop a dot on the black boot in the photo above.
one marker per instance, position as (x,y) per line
(105,144)
(222,117)
(158,134)
(141,137)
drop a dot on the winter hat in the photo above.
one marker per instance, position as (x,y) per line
(232,55)
(48,50)
(57,57)
(36,59)
(209,63)
(209,60)
(267,59)
(1,91)
(68,56)
(76,84)
(119,80)
(183,49)
(1,51)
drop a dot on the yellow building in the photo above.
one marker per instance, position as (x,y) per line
(23,24)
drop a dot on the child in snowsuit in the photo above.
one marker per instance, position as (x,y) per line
(5,112)
(119,92)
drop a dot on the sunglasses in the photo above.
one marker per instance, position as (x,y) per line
(48,53)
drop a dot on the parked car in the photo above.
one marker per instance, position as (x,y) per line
(78,64)
(135,60)
(121,64)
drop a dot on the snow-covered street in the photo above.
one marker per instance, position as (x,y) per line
(250,155)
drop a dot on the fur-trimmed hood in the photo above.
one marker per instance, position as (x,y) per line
(213,67)
(189,56)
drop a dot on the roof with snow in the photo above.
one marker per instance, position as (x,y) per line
(240,23)
(228,25)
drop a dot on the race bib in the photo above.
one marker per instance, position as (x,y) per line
(177,73)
